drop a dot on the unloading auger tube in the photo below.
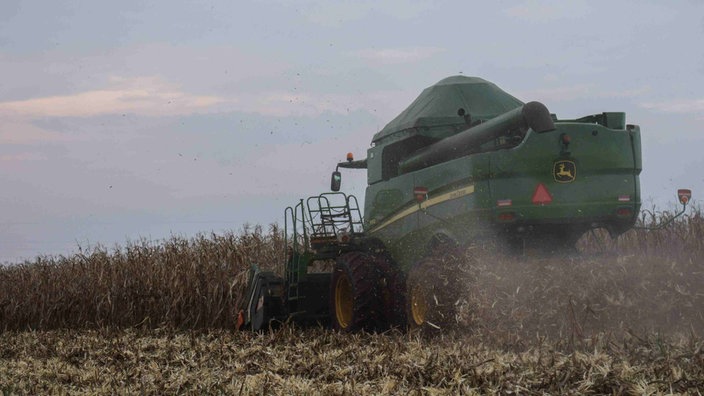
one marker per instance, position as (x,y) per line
(533,115)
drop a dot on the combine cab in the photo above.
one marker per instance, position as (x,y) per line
(465,162)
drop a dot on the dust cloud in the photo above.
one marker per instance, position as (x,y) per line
(616,292)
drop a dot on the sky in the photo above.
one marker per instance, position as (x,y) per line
(130,120)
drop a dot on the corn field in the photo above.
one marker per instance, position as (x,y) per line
(177,283)
(623,316)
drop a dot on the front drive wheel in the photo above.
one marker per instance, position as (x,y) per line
(419,304)
(354,294)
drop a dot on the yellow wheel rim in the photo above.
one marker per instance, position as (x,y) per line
(419,304)
(343,301)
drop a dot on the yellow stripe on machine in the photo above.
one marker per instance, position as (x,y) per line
(460,192)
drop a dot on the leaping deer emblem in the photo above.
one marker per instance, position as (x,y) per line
(564,171)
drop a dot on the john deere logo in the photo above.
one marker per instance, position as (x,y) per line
(564,171)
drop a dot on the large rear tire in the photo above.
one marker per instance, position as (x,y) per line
(431,292)
(354,293)
(392,288)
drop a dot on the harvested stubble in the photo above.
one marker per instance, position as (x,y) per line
(291,361)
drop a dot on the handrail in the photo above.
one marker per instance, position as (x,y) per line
(331,213)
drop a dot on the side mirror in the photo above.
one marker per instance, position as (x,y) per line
(335,181)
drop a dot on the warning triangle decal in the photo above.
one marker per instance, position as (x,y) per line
(541,196)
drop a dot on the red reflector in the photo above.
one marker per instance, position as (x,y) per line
(507,216)
(541,196)
(624,198)
(504,202)
(624,212)
(684,195)
(421,193)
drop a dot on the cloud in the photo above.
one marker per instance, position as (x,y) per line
(24,132)
(328,13)
(309,103)
(678,106)
(568,92)
(627,93)
(580,91)
(395,56)
(23,156)
(300,104)
(542,11)
(144,96)
(155,96)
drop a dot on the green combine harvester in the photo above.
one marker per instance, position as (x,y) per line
(464,163)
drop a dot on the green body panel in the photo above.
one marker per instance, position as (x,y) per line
(605,170)
(406,238)
(468,197)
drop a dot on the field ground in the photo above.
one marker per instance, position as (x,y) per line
(314,361)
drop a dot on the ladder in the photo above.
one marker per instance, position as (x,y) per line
(322,221)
